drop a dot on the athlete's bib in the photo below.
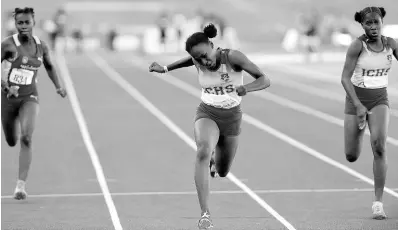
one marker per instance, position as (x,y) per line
(224,101)
(21,76)
(377,79)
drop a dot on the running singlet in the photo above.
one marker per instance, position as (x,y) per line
(372,68)
(218,87)
(23,72)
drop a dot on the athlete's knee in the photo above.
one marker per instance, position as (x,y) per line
(378,146)
(26,140)
(223,172)
(351,157)
(11,141)
(352,153)
(203,151)
(223,166)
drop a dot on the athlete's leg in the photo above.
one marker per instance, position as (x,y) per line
(352,138)
(28,115)
(225,153)
(206,137)
(378,126)
(9,122)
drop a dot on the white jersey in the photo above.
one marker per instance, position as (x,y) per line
(218,87)
(372,68)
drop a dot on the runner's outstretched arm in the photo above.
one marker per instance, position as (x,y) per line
(182,63)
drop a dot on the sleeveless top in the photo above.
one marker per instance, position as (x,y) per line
(372,68)
(218,87)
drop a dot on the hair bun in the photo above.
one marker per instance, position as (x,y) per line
(210,31)
(383,11)
(358,17)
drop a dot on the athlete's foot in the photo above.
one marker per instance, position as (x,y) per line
(205,221)
(20,193)
(378,211)
(213,171)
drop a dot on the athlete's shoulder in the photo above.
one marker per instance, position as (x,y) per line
(391,42)
(43,44)
(37,39)
(235,56)
(8,47)
(355,47)
(236,59)
(7,41)
(8,50)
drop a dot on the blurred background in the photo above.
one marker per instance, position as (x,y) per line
(107,45)
(162,26)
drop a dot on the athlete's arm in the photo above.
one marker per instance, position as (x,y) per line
(6,55)
(7,51)
(48,64)
(240,62)
(350,62)
(184,62)
(394,47)
(4,51)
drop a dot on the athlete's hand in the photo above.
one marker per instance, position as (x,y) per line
(362,113)
(241,90)
(155,67)
(62,92)
(13,91)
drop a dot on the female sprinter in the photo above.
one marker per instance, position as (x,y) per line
(365,80)
(218,117)
(22,55)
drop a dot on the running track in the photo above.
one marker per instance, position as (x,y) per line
(140,127)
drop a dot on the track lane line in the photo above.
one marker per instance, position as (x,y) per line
(218,192)
(76,107)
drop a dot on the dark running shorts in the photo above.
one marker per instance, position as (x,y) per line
(227,120)
(11,106)
(370,98)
